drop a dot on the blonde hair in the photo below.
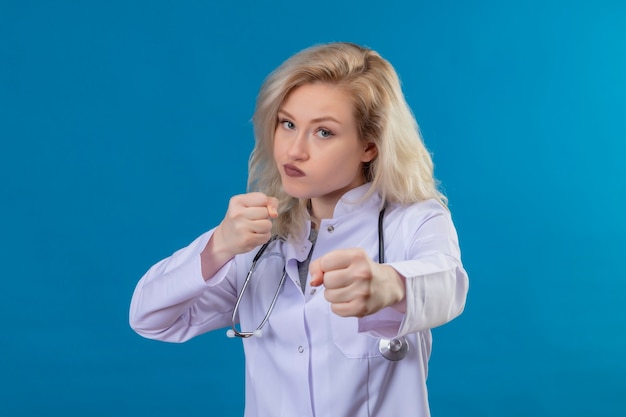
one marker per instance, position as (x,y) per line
(401,173)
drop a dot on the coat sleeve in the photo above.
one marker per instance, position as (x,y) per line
(436,282)
(173,303)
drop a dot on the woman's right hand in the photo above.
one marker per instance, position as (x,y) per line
(246,225)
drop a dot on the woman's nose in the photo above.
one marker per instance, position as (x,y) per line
(298,148)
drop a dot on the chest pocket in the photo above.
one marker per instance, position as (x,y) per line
(349,341)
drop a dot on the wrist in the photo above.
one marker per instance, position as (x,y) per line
(399,280)
(214,255)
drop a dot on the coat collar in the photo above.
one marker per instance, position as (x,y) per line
(349,204)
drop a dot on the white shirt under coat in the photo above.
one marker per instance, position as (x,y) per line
(309,361)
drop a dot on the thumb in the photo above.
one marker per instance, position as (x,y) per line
(317,275)
(272,207)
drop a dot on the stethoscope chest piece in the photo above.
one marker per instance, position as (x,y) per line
(393,349)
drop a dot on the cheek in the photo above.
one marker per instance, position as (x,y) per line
(343,168)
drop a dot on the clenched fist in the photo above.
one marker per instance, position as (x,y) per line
(246,225)
(355,285)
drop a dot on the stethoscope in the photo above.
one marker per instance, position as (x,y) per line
(392,349)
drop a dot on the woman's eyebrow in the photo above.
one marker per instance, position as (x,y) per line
(316,120)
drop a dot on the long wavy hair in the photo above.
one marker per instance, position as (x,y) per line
(402,171)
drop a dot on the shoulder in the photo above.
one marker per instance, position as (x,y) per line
(417,212)
(420,227)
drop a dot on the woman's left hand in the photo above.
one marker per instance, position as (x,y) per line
(355,285)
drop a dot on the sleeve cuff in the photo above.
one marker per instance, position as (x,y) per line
(386,323)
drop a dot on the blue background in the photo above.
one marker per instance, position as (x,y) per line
(125,127)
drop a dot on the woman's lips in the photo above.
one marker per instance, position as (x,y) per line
(292,171)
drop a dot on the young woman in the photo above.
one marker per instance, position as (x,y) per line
(362,257)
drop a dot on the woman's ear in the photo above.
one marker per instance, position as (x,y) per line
(370,150)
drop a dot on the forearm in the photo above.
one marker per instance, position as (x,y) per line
(430,300)
(172,301)
(162,297)
(433,299)
(436,283)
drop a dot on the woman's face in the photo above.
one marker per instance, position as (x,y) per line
(317,148)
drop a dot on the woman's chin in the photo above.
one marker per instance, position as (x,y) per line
(296,192)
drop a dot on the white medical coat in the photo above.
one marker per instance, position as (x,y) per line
(309,361)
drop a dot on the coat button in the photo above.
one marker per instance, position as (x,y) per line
(330,229)
(300,349)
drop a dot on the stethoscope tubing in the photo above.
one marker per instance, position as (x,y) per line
(394,349)
(233,331)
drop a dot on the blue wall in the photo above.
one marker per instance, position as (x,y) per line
(125,127)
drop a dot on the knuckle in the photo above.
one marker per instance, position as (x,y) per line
(234,212)
(267,225)
(335,308)
(258,197)
(361,273)
(361,298)
(361,310)
(353,254)
(235,200)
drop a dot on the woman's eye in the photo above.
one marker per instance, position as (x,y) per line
(324,133)
(287,124)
